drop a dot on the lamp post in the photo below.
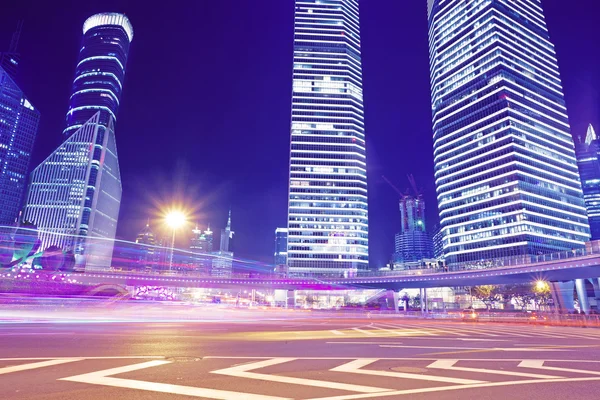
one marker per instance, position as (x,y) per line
(175,220)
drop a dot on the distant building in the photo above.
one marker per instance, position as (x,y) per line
(18,128)
(147,254)
(281,235)
(100,70)
(413,243)
(588,161)
(201,244)
(75,194)
(10,59)
(222,262)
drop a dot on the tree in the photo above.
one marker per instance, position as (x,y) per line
(488,294)
(521,295)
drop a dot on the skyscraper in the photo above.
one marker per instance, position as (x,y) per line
(327,209)
(146,252)
(75,194)
(281,240)
(588,160)
(77,189)
(505,167)
(413,244)
(18,128)
(10,59)
(201,245)
(100,70)
(222,262)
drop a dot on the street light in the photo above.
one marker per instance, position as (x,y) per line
(175,220)
(541,286)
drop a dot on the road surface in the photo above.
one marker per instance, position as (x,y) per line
(256,356)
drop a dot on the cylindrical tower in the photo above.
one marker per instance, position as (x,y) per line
(100,70)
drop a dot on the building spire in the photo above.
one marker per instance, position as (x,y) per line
(591,135)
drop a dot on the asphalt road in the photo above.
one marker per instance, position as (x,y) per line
(266,356)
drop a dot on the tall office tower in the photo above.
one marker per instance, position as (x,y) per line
(10,59)
(74,195)
(505,168)
(18,128)
(100,70)
(327,202)
(226,234)
(413,243)
(201,245)
(281,240)
(222,262)
(588,160)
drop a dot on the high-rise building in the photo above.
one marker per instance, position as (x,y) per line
(18,128)
(413,243)
(10,59)
(505,168)
(100,70)
(438,243)
(75,194)
(222,262)
(281,241)
(588,160)
(146,252)
(327,209)
(201,245)
(77,189)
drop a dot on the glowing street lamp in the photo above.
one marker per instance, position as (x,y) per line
(541,286)
(174,220)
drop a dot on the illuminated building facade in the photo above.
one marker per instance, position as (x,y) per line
(146,254)
(75,195)
(281,241)
(413,243)
(100,70)
(588,160)
(327,209)
(201,244)
(505,167)
(18,128)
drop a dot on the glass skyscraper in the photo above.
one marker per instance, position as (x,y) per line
(100,70)
(18,128)
(505,167)
(75,194)
(77,189)
(588,159)
(327,209)
(413,243)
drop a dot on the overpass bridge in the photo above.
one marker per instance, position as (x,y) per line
(559,269)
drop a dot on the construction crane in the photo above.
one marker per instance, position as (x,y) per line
(393,187)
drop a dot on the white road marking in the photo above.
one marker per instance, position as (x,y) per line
(449,365)
(84,358)
(363,332)
(241,371)
(337,332)
(539,364)
(454,387)
(474,348)
(354,367)
(383,358)
(409,329)
(40,364)
(103,378)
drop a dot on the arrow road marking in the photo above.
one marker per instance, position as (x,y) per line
(449,364)
(103,378)
(539,364)
(354,367)
(241,371)
(41,364)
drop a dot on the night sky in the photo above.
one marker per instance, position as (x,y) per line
(205,113)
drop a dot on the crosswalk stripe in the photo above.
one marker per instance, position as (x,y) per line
(40,364)
(409,329)
(242,371)
(539,364)
(356,365)
(363,331)
(337,332)
(103,378)
(449,365)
